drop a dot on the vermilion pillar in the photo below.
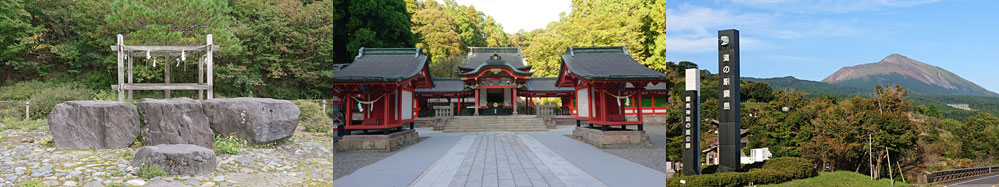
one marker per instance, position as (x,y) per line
(514,100)
(476,102)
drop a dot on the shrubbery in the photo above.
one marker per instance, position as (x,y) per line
(43,96)
(313,119)
(775,170)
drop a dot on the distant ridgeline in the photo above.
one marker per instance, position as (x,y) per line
(927,85)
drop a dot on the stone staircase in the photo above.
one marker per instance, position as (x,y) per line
(495,123)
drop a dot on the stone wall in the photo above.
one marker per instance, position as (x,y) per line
(612,138)
(381,143)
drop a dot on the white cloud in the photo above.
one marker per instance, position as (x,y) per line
(692,29)
(829,6)
(515,15)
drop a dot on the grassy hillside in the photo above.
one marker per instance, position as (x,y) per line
(838,178)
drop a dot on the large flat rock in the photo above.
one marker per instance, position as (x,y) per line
(174,121)
(93,124)
(177,159)
(256,120)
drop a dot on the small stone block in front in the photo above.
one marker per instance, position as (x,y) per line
(93,124)
(175,121)
(256,120)
(177,159)
(612,138)
(383,143)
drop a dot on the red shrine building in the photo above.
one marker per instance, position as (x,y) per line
(387,88)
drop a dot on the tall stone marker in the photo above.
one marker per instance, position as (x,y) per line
(728,100)
(692,124)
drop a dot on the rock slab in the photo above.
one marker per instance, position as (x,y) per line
(175,121)
(612,139)
(93,124)
(256,120)
(177,159)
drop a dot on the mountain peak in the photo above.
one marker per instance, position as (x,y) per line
(896,58)
(909,73)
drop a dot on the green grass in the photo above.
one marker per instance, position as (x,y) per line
(19,123)
(32,184)
(3,137)
(838,178)
(229,145)
(149,171)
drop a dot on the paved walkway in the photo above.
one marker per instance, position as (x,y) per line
(503,159)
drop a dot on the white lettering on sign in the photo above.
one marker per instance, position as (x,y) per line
(688,138)
(725,81)
(687,105)
(686,125)
(725,57)
(688,98)
(726,106)
(726,93)
(688,112)
(688,118)
(725,69)
(688,132)
(687,145)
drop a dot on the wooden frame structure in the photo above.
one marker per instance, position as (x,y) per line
(130,52)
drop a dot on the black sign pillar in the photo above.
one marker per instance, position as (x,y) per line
(692,124)
(728,101)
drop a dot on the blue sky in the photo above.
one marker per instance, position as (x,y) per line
(812,39)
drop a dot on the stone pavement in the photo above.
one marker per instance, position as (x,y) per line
(503,159)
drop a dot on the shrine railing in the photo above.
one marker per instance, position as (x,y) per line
(443,111)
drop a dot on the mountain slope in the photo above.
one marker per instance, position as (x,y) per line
(919,77)
(814,88)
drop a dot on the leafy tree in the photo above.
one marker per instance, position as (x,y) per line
(934,111)
(467,23)
(979,140)
(494,35)
(756,91)
(18,36)
(591,23)
(438,38)
(364,23)
(656,43)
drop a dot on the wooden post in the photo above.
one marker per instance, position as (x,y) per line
(460,99)
(166,77)
(387,110)
(324,106)
(870,153)
(348,113)
(131,78)
(639,107)
(201,78)
(208,61)
(27,110)
(903,174)
(121,73)
(890,175)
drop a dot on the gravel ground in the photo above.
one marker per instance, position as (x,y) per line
(28,156)
(345,163)
(654,157)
